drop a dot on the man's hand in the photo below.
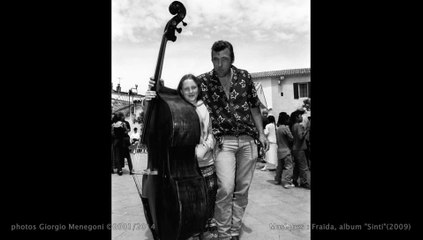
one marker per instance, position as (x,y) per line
(264,142)
(255,112)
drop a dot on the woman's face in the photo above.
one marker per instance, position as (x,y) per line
(190,91)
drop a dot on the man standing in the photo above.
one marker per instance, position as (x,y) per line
(126,143)
(232,101)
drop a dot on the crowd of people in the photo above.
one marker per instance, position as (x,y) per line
(233,136)
(290,156)
(124,142)
(121,142)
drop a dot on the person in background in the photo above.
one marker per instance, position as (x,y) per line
(125,145)
(284,138)
(271,154)
(308,143)
(264,117)
(114,157)
(118,132)
(298,148)
(135,138)
(306,107)
(307,124)
(143,146)
(261,152)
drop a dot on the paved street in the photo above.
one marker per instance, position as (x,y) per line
(272,212)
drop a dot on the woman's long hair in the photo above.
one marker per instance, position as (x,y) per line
(283,119)
(195,79)
(271,119)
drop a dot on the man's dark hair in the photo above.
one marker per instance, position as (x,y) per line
(221,45)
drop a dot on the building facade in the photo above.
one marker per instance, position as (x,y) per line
(284,90)
(130,103)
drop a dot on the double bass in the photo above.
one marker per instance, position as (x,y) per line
(173,194)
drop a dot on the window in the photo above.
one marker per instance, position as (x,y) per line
(302,90)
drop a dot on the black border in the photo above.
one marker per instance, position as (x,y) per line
(363,123)
(57,83)
(57,159)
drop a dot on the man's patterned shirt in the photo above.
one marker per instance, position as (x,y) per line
(230,116)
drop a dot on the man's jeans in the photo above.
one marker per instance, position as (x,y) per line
(235,164)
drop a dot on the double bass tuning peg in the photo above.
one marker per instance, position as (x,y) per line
(179,30)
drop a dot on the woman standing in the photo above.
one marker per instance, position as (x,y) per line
(285,164)
(298,149)
(272,153)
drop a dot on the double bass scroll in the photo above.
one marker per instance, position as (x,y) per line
(176,8)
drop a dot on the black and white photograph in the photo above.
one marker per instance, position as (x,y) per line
(211,119)
(191,119)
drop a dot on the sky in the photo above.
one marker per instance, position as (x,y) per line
(266,35)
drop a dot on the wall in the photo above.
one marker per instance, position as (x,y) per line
(267,90)
(287,103)
(272,90)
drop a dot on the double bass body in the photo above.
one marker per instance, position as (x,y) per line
(173,190)
(174,193)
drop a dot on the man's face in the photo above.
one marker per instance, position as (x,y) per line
(222,62)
